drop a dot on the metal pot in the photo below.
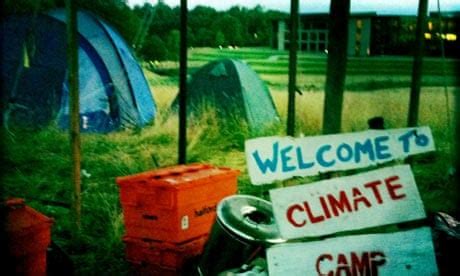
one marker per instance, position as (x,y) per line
(243,229)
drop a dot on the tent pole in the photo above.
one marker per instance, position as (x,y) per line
(294,20)
(417,64)
(182,159)
(72,63)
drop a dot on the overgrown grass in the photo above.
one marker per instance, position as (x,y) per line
(36,165)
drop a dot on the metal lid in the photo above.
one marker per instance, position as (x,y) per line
(250,218)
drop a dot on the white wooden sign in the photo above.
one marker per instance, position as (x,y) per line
(402,253)
(277,158)
(374,198)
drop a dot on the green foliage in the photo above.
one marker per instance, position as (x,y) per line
(173,44)
(204,37)
(154,49)
(230,26)
(164,20)
(206,27)
(157,25)
(220,39)
(199,21)
(28,6)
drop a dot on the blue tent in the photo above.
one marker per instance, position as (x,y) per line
(113,90)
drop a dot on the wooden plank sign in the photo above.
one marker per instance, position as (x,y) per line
(384,196)
(402,253)
(277,158)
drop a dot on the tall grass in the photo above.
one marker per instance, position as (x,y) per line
(36,165)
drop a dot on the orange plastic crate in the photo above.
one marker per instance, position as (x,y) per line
(28,237)
(174,204)
(157,224)
(146,269)
(163,254)
(32,264)
(28,231)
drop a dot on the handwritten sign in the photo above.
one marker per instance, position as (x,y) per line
(401,253)
(277,158)
(379,197)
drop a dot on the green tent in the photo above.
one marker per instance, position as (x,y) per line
(234,92)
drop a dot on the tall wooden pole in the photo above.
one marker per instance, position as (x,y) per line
(293,37)
(417,64)
(336,65)
(72,63)
(182,159)
(457,146)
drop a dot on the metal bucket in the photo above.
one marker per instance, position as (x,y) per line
(243,229)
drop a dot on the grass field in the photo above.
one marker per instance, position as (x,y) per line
(36,165)
(362,73)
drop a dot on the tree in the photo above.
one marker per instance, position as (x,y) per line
(237,26)
(154,49)
(202,17)
(230,26)
(172,45)
(204,37)
(220,39)
(164,20)
(258,27)
(199,21)
(28,6)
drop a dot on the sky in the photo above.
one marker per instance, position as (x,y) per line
(315,6)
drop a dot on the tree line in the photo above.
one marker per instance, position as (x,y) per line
(153,30)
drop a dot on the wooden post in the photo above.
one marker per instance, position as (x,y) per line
(72,63)
(457,146)
(292,66)
(417,64)
(336,65)
(182,159)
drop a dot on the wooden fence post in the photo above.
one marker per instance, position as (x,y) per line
(72,63)
(457,146)
(290,130)
(417,64)
(182,159)
(336,65)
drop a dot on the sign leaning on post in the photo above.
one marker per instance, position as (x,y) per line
(279,158)
(402,253)
(374,198)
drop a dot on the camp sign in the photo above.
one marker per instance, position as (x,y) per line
(379,197)
(402,253)
(278,158)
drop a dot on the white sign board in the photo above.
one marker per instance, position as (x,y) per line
(374,198)
(277,158)
(401,253)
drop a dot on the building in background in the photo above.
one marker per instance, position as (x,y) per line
(443,27)
(373,34)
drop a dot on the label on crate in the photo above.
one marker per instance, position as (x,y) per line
(205,210)
(278,158)
(184,223)
(379,197)
(401,253)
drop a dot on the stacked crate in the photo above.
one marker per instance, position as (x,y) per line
(169,212)
(28,235)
